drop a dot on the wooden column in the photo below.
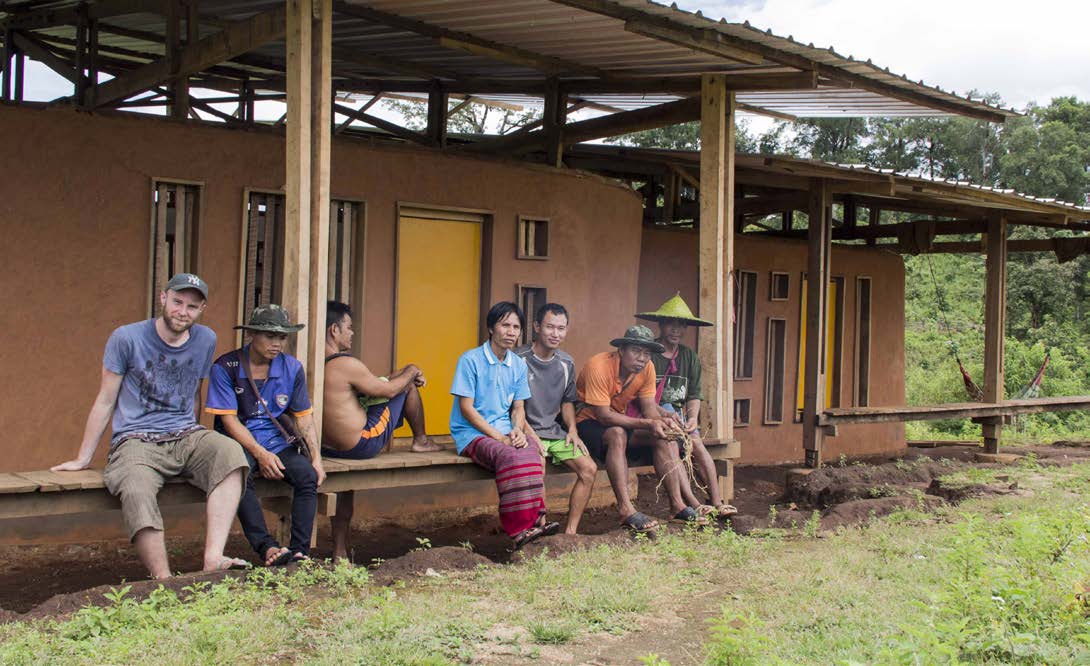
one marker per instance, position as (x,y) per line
(321,129)
(8,55)
(179,85)
(437,115)
(874,218)
(995,324)
(819,237)
(554,115)
(715,343)
(80,87)
(297,176)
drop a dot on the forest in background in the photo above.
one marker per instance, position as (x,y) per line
(1045,153)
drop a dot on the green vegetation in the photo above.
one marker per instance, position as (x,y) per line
(999,579)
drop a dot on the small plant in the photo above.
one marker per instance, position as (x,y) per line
(466,545)
(773,513)
(424,544)
(552,634)
(842,460)
(813,524)
(653,660)
(736,641)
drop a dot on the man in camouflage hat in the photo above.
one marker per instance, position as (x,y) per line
(620,423)
(252,393)
(151,383)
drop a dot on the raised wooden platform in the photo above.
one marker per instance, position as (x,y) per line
(45,493)
(955,410)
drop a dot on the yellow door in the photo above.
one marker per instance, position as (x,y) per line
(830,346)
(438,304)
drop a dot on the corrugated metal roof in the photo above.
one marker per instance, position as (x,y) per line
(585,39)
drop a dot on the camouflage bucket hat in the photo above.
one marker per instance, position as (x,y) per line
(638,335)
(271,319)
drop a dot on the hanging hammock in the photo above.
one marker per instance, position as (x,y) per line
(976,394)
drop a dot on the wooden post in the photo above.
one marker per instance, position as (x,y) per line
(995,320)
(92,59)
(20,75)
(715,343)
(8,55)
(297,177)
(874,218)
(819,235)
(321,129)
(80,87)
(554,116)
(437,115)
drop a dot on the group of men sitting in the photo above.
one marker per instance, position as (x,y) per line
(513,408)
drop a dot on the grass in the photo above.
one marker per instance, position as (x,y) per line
(995,580)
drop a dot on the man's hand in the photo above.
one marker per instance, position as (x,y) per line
(269,465)
(517,439)
(419,380)
(658,429)
(317,464)
(71,466)
(691,425)
(576,442)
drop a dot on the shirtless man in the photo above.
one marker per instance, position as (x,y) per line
(361,411)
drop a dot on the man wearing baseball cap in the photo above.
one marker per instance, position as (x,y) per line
(252,392)
(151,378)
(618,421)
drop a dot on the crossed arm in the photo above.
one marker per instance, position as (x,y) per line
(362,380)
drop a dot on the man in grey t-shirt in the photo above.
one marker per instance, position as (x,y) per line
(151,378)
(550,411)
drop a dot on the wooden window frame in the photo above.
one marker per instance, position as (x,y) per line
(247,192)
(835,373)
(357,258)
(770,378)
(520,290)
(749,412)
(520,235)
(772,286)
(193,260)
(861,379)
(746,325)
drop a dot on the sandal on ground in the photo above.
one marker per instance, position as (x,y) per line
(298,556)
(527,536)
(283,556)
(549,529)
(725,510)
(706,510)
(689,516)
(640,523)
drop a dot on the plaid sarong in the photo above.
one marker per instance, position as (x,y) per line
(520,481)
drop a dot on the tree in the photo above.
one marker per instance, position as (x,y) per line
(685,136)
(472,118)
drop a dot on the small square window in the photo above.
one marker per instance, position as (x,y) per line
(174,222)
(533,238)
(741,412)
(780,286)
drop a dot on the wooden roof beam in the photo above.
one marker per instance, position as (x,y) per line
(399,66)
(472,44)
(40,52)
(661,115)
(50,18)
(396,130)
(761,111)
(237,38)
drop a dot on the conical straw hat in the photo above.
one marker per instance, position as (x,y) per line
(675,308)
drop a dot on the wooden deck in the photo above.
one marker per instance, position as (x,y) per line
(44,493)
(954,410)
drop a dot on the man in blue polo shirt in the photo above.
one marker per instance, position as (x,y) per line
(252,392)
(488,424)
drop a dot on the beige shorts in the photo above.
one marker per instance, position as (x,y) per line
(136,470)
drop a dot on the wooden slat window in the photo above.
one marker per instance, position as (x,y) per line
(175,208)
(344,226)
(775,367)
(745,308)
(530,298)
(533,238)
(264,251)
(862,341)
(741,412)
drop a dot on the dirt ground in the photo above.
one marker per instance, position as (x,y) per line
(47,581)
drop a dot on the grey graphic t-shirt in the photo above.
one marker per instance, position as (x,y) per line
(552,383)
(160,381)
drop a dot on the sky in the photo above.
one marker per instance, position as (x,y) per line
(1024,51)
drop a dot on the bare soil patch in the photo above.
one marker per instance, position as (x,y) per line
(431,561)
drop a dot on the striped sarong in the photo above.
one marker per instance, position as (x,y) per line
(520,480)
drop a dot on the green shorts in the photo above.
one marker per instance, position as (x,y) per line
(559,450)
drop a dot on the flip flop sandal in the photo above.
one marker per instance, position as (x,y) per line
(706,510)
(689,516)
(235,564)
(297,557)
(549,529)
(280,560)
(640,523)
(528,536)
(726,511)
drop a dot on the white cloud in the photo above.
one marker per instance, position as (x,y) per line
(1024,51)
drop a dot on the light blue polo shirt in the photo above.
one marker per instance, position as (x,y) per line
(494,386)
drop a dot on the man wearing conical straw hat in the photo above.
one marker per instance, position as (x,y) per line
(678,370)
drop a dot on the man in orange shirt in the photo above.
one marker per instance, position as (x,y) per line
(620,422)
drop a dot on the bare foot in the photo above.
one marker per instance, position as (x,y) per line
(424,445)
(340,554)
(275,556)
(225,563)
